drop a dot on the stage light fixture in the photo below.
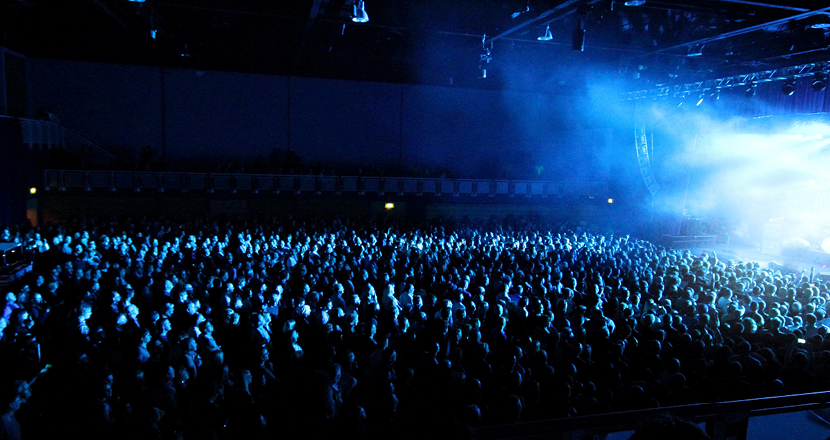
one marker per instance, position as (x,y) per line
(819,81)
(578,43)
(750,90)
(547,37)
(33,190)
(519,13)
(359,14)
(635,2)
(695,51)
(789,87)
(485,57)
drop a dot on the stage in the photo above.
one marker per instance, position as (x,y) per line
(788,262)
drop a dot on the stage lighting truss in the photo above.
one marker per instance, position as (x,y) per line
(791,73)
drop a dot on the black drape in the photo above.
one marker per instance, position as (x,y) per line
(12,186)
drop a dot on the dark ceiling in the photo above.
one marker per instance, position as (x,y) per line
(432,41)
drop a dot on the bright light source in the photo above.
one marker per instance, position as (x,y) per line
(812,182)
(389,206)
(610,200)
(635,2)
(359,14)
(547,36)
(32,190)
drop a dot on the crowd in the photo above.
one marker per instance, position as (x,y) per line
(212,329)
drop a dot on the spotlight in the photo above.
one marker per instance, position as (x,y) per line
(700,101)
(750,90)
(153,33)
(547,37)
(635,2)
(33,190)
(819,81)
(359,14)
(389,206)
(789,87)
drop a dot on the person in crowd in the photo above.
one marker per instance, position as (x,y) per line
(210,329)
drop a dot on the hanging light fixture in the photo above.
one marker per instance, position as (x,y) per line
(819,81)
(789,87)
(750,90)
(359,14)
(547,37)
(485,57)
(578,42)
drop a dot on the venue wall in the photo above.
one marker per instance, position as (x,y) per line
(188,115)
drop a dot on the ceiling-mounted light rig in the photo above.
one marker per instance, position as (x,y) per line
(547,35)
(789,87)
(578,42)
(519,13)
(153,30)
(751,88)
(485,57)
(819,81)
(816,74)
(696,50)
(359,14)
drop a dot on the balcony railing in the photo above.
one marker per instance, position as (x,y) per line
(62,180)
(723,420)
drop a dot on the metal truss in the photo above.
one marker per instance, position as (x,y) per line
(743,80)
